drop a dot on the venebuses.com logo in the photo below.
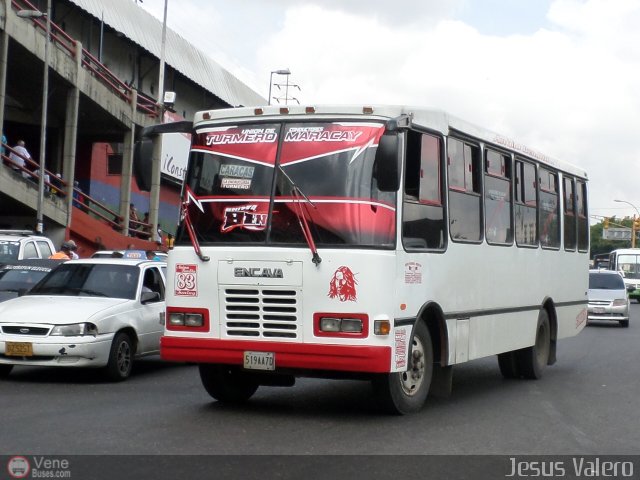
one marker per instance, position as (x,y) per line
(18,467)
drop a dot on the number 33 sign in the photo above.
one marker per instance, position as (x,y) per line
(186,280)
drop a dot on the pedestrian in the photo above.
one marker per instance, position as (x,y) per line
(169,241)
(18,156)
(78,196)
(65,251)
(74,249)
(133,218)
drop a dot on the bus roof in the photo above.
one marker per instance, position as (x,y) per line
(432,119)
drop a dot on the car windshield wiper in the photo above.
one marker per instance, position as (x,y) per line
(88,291)
(302,219)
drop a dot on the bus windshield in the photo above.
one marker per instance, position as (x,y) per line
(629,265)
(258,183)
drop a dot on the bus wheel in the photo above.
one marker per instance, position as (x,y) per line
(405,392)
(533,360)
(508,363)
(5,370)
(226,383)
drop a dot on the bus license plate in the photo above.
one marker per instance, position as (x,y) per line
(18,349)
(259,360)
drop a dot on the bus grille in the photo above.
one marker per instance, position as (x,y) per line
(261,312)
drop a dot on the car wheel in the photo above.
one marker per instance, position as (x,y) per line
(533,360)
(406,392)
(120,357)
(226,383)
(5,370)
(624,323)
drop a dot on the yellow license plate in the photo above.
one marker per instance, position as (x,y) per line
(18,349)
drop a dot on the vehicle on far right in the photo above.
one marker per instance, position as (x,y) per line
(608,297)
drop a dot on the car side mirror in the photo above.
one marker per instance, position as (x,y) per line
(630,288)
(149,297)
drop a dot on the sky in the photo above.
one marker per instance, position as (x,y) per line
(561,76)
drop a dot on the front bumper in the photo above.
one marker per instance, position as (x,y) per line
(84,351)
(290,356)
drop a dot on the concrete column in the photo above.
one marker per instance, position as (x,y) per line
(127,167)
(71,133)
(4,52)
(70,142)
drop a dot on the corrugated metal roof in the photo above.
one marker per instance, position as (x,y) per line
(144,29)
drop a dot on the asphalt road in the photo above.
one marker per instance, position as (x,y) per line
(585,404)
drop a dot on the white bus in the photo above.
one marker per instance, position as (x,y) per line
(627,262)
(381,243)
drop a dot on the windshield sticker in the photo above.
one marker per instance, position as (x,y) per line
(251,135)
(343,285)
(236,183)
(248,217)
(412,272)
(241,171)
(186,280)
(320,134)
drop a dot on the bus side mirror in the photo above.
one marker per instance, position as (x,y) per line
(388,162)
(142,163)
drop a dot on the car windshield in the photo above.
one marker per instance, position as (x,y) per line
(8,251)
(605,281)
(261,183)
(16,278)
(87,279)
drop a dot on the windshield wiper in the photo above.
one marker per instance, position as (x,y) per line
(189,226)
(302,219)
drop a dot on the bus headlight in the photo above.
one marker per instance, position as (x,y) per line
(328,324)
(193,320)
(176,319)
(338,324)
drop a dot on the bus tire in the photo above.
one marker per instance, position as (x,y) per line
(401,393)
(533,360)
(508,363)
(5,370)
(226,384)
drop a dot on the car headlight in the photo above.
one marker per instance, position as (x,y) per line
(620,302)
(75,330)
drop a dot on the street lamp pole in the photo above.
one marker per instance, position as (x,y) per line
(633,224)
(284,71)
(161,69)
(43,124)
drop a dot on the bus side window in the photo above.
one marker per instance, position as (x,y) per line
(548,215)
(526,205)
(423,225)
(583,220)
(497,198)
(570,239)
(465,212)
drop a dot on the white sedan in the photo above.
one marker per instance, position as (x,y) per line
(86,313)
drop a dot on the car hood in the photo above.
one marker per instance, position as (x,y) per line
(609,295)
(59,310)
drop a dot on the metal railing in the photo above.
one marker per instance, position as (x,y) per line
(144,104)
(56,186)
